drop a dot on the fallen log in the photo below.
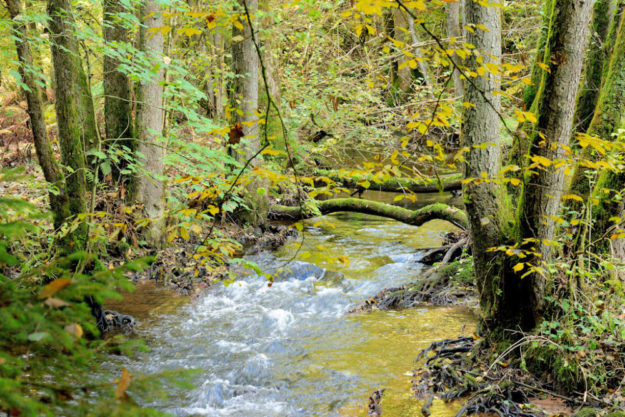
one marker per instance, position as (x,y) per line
(412,217)
(393,184)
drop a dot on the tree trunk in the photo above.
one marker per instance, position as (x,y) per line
(454,31)
(393,184)
(542,188)
(608,115)
(423,67)
(59,202)
(245,65)
(355,205)
(69,107)
(504,298)
(149,187)
(537,72)
(117,100)
(215,82)
(603,13)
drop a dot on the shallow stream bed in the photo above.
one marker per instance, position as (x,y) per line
(290,348)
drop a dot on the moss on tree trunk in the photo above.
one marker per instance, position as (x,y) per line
(69,108)
(393,184)
(355,205)
(59,201)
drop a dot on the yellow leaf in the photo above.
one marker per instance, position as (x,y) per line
(74,329)
(213,210)
(184,233)
(572,197)
(54,287)
(124,383)
(189,32)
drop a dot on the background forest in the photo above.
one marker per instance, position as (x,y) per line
(163,139)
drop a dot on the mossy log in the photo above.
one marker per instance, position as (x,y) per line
(355,205)
(393,184)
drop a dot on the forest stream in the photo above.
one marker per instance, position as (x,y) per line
(291,349)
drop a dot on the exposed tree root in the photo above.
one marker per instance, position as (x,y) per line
(411,217)
(450,373)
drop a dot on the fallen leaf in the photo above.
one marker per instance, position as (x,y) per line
(122,386)
(37,336)
(56,303)
(74,329)
(54,287)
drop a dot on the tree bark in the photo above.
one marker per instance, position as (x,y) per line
(69,108)
(609,118)
(117,100)
(540,199)
(149,187)
(245,65)
(423,67)
(454,31)
(483,200)
(537,72)
(602,16)
(59,202)
(608,114)
(355,205)
(397,185)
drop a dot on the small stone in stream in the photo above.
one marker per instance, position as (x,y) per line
(375,409)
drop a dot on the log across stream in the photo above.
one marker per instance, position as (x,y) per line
(290,349)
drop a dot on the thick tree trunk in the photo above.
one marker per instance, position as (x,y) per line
(603,13)
(148,187)
(69,108)
(454,31)
(608,114)
(59,202)
(610,117)
(542,188)
(355,205)
(483,200)
(245,65)
(117,100)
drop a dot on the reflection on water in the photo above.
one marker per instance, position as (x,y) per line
(290,349)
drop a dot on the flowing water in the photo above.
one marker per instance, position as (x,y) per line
(289,348)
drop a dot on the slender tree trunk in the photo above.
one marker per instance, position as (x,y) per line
(389,27)
(603,13)
(215,85)
(117,100)
(59,202)
(69,107)
(537,72)
(149,187)
(423,67)
(245,63)
(454,31)
(542,188)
